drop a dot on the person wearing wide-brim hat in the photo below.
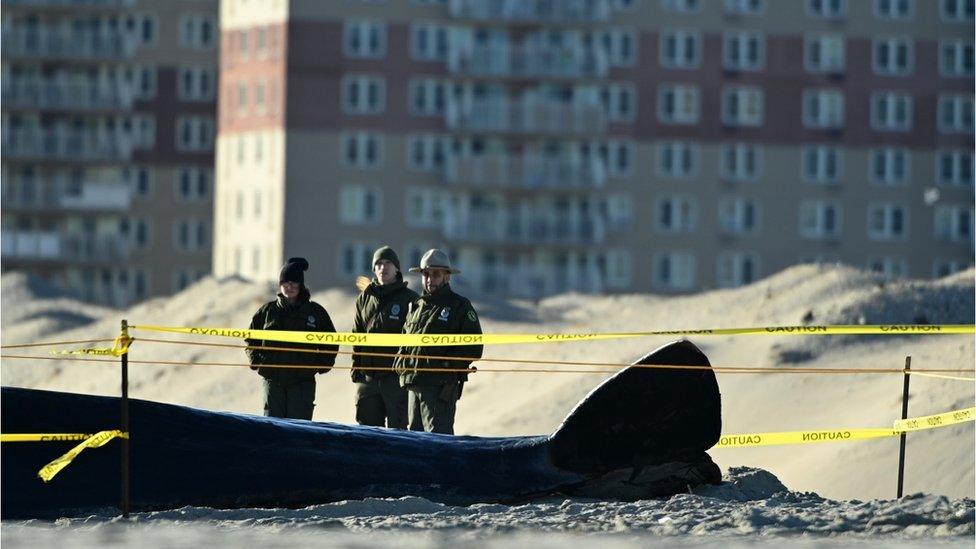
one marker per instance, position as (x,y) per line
(380,308)
(434,385)
(290,392)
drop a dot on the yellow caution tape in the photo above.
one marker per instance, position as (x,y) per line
(937,420)
(429,340)
(94,441)
(835,435)
(119,348)
(46,437)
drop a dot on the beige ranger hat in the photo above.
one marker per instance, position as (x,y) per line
(435,259)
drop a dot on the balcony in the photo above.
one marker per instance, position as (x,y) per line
(91,197)
(503,61)
(529,229)
(57,247)
(528,116)
(58,94)
(46,43)
(73,5)
(64,144)
(532,11)
(534,282)
(532,171)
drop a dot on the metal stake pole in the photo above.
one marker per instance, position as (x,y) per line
(125,424)
(904,415)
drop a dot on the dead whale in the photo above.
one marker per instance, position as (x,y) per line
(641,433)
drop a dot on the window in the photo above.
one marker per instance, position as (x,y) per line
(827,9)
(954,223)
(887,221)
(889,166)
(680,49)
(424,208)
(363,94)
(956,58)
(676,214)
(824,53)
(617,156)
(741,162)
(362,149)
(954,168)
(894,9)
(891,111)
(674,271)
(823,109)
(195,84)
(736,269)
(358,204)
(619,268)
(141,235)
(427,152)
(743,51)
(894,56)
(147,29)
(956,11)
(144,131)
(428,41)
(620,211)
(745,7)
(193,183)
(619,102)
(198,32)
(620,46)
(194,133)
(889,267)
(143,81)
(738,216)
(822,164)
(945,267)
(140,180)
(190,235)
(678,104)
(355,259)
(364,39)
(183,278)
(742,106)
(242,98)
(428,96)
(819,219)
(677,159)
(956,113)
(682,6)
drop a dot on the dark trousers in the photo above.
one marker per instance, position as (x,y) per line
(381,402)
(431,408)
(289,399)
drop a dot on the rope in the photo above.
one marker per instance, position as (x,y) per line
(925,373)
(54,343)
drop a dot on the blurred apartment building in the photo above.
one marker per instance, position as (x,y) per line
(108,111)
(596,145)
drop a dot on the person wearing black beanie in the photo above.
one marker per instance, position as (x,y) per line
(290,392)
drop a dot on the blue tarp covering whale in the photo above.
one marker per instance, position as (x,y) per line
(641,433)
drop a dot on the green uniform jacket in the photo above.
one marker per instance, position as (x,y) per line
(305,316)
(443,312)
(379,309)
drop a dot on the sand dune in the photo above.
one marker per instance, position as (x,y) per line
(939,461)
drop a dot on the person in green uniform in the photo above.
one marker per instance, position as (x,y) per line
(290,392)
(432,395)
(381,308)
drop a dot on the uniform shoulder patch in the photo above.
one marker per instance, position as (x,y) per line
(472,316)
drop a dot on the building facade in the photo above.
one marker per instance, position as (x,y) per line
(108,114)
(596,145)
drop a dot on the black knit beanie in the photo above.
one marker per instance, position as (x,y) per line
(386,252)
(294,271)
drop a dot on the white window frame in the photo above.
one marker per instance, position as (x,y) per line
(363,250)
(730,268)
(949,266)
(744,97)
(435,33)
(196,93)
(681,38)
(424,207)
(361,29)
(202,133)
(823,109)
(352,204)
(193,173)
(429,143)
(613,148)
(360,140)
(893,14)
(891,45)
(745,7)
(960,106)
(732,216)
(616,55)
(741,151)
(610,98)
(889,157)
(886,232)
(193,230)
(363,83)
(955,66)
(686,276)
(823,156)
(619,270)
(891,98)
(191,31)
(819,209)
(948,222)
(825,11)
(959,16)
(430,86)
(740,42)
(682,6)
(680,151)
(890,267)
(959,158)
(686,102)
(684,214)
(831,53)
